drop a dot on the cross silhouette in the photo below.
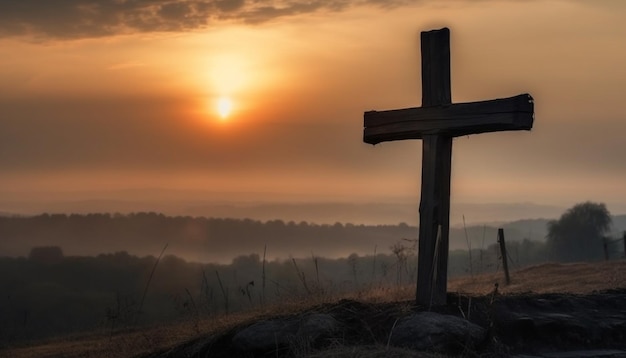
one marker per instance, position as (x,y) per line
(437,122)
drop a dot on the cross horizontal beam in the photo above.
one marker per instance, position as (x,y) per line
(454,120)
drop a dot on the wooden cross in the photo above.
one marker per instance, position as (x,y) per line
(436,123)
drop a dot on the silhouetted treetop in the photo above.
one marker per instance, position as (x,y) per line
(578,234)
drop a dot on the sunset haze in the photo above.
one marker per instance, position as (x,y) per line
(170,104)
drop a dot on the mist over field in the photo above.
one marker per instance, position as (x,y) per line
(268,206)
(219,240)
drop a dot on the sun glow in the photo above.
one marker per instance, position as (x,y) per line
(229,74)
(231,81)
(224,107)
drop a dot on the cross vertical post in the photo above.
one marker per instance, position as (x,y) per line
(434,207)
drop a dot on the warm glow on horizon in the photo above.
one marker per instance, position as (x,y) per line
(224,107)
(229,77)
(229,74)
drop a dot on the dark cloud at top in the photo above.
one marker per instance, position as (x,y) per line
(72,19)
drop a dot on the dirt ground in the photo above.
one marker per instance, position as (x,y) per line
(546,308)
(550,308)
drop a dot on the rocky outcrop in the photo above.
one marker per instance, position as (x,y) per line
(525,325)
(436,332)
(561,320)
(275,334)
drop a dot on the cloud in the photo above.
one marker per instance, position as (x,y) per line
(91,18)
(73,19)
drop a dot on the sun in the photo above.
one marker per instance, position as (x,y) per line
(224,107)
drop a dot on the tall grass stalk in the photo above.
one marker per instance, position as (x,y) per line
(145,290)
(469,248)
(373,267)
(224,291)
(263,276)
(301,276)
(317,270)
(482,247)
(196,317)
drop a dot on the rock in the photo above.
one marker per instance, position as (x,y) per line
(265,335)
(561,322)
(316,326)
(274,334)
(189,349)
(520,326)
(436,332)
(598,353)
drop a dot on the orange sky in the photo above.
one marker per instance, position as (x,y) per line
(97,97)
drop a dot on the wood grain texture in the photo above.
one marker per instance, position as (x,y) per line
(454,120)
(435,46)
(434,228)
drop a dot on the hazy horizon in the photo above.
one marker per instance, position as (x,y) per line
(376,211)
(105,102)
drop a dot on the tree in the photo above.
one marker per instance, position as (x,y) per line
(578,234)
(46,254)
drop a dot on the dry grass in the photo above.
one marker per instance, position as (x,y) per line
(371,352)
(131,343)
(545,278)
(549,278)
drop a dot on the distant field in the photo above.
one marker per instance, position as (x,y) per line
(549,278)
(545,278)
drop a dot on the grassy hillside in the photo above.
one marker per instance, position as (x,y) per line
(545,278)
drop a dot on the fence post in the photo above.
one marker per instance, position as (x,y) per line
(605,242)
(503,252)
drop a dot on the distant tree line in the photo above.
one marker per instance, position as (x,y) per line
(218,239)
(195,238)
(50,293)
(580,234)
